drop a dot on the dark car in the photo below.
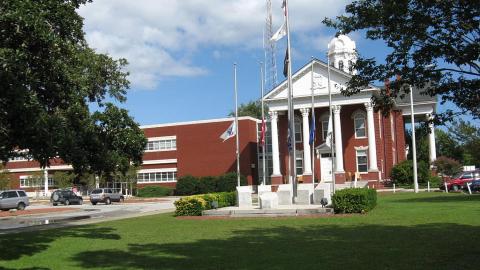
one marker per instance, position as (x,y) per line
(65,197)
(475,185)
(460,181)
(11,199)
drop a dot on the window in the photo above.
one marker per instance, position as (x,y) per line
(362,161)
(156,177)
(350,65)
(359,123)
(159,144)
(340,65)
(298,130)
(29,181)
(324,130)
(299,162)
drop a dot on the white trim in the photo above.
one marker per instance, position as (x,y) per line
(199,122)
(160,150)
(60,167)
(157,170)
(361,148)
(356,160)
(159,161)
(151,139)
(359,114)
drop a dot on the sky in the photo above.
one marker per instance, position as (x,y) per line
(181,52)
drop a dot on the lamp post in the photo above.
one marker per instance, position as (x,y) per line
(414,147)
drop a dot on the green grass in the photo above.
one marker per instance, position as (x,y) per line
(405,231)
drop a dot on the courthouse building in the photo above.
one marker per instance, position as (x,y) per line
(365,143)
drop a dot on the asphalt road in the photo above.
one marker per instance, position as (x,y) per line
(81,214)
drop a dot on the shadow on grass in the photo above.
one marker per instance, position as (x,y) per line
(13,246)
(432,246)
(443,198)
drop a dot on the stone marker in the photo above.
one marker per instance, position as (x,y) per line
(304,194)
(263,188)
(284,194)
(268,200)
(244,196)
(322,190)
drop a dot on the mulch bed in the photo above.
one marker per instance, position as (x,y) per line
(301,216)
(36,211)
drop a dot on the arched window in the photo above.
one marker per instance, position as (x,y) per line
(359,122)
(350,65)
(340,65)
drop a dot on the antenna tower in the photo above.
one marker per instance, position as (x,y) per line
(269,47)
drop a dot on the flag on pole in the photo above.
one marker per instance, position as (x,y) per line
(312,131)
(262,134)
(285,63)
(281,32)
(289,141)
(230,132)
(328,139)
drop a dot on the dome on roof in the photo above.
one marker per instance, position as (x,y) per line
(342,43)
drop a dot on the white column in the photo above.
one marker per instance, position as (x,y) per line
(338,139)
(45,179)
(275,152)
(307,163)
(431,141)
(372,146)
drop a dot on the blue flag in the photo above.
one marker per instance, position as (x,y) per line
(312,131)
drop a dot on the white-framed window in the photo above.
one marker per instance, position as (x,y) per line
(362,161)
(161,144)
(340,65)
(157,177)
(299,162)
(359,122)
(298,130)
(324,129)
(29,181)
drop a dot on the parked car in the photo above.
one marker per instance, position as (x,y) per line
(475,185)
(460,181)
(65,196)
(11,199)
(105,195)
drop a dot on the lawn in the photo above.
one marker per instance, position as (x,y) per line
(405,231)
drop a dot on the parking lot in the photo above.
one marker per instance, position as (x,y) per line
(40,215)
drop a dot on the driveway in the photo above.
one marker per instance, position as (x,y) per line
(43,215)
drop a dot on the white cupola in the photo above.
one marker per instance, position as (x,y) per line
(342,54)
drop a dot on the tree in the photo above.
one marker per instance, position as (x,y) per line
(252,108)
(435,46)
(63,179)
(468,137)
(49,77)
(447,146)
(5,178)
(421,140)
(447,166)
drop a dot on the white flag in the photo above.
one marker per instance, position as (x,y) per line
(281,32)
(328,140)
(230,132)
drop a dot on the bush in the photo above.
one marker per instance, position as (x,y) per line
(186,185)
(154,191)
(194,205)
(228,182)
(207,184)
(402,173)
(435,181)
(354,200)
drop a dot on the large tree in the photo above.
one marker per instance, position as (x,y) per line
(252,108)
(48,79)
(435,45)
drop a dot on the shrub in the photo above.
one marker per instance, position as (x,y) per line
(207,184)
(354,200)
(186,185)
(435,181)
(402,173)
(447,166)
(194,205)
(228,182)
(154,191)
(190,206)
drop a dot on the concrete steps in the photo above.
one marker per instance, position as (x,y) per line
(285,211)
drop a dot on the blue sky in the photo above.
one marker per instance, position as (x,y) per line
(181,53)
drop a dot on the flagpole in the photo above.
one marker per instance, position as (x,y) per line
(264,144)
(236,123)
(291,118)
(314,124)
(331,119)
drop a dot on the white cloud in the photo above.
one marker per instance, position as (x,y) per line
(160,38)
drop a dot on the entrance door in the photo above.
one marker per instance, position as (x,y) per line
(326,167)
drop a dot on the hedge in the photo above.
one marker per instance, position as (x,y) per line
(354,200)
(190,185)
(194,205)
(402,173)
(154,191)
